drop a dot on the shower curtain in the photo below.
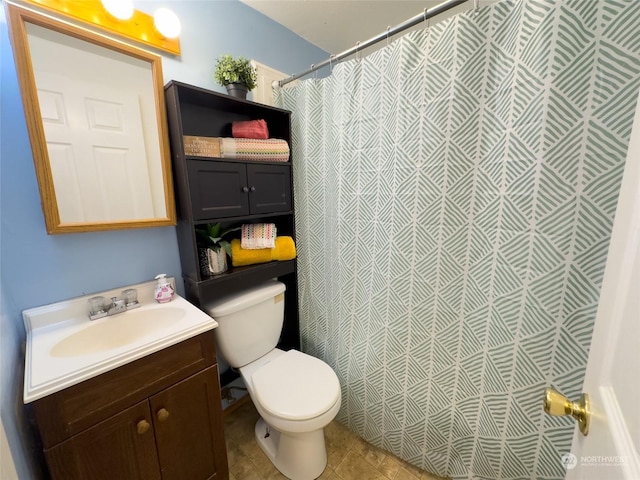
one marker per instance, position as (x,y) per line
(454,195)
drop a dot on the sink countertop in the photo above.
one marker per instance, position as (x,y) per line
(47,326)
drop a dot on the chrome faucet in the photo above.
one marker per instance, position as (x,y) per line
(117,306)
(99,307)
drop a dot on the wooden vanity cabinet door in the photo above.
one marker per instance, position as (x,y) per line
(188,426)
(112,449)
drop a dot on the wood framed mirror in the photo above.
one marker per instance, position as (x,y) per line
(95,114)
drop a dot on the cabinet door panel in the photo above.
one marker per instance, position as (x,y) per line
(109,450)
(189,432)
(270,188)
(217,189)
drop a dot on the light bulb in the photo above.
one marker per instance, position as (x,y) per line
(121,9)
(167,23)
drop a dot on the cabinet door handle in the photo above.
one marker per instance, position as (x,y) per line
(245,189)
(142,427)
(253,189)
(163,414)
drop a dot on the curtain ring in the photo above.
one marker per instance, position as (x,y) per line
(357,56)
(388,30)
(331,57)
(427,22)
(315,72)
(476,5)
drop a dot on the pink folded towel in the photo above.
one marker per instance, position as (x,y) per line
(258,235)
(250,129)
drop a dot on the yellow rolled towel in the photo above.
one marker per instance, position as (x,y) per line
(285,249)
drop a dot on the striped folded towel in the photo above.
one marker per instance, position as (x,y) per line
(258,235)
(253,149)
(271,150)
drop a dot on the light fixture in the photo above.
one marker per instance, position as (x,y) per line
(121,9)
(121,18)
(167,23)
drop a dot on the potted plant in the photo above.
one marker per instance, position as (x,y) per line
(236,74)
(213,250)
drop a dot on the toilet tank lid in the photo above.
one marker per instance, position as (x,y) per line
(244,299)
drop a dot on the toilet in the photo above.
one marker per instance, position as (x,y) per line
(296,395)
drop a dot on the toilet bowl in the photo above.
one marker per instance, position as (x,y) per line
(296,394)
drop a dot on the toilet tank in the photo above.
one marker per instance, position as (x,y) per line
(249,322)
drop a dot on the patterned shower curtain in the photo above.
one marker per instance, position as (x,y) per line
(454,194)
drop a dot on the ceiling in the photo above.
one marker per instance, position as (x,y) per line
(337,25)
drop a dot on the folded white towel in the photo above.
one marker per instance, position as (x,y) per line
(258,235)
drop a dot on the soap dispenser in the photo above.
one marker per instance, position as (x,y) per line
(164,290)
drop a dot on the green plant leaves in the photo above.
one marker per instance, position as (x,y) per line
(235,70)
(211,235)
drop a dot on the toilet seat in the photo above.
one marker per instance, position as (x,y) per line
(296,386)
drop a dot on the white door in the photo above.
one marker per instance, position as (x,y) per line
(96,150)
(610,450)
(263,93)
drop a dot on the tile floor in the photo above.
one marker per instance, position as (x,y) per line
(349,457)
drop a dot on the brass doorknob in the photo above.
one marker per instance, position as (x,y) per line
(558,405)
(142,427)
(163,414)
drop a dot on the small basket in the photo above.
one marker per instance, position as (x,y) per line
(202,146)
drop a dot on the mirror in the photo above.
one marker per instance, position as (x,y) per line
(95,113)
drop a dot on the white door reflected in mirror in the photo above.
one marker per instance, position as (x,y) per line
(96,151)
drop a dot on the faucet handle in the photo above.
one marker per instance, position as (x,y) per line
(130,296)
(97,304)
(97,307)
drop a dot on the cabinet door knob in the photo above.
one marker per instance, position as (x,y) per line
(245,189)
(253,189)
(163,414)
(142,427)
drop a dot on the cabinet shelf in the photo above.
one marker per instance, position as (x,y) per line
(263,269)
(239,278)
(221,159)
(246,218)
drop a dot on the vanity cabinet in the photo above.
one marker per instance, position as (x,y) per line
(158,417)
(232,192)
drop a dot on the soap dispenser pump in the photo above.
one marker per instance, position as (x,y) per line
(164,290)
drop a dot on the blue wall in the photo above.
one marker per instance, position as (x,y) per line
(36,268)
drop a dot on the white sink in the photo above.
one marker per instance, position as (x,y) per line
(110,333)
(64,347)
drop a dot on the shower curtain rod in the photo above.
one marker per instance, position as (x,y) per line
(422,17)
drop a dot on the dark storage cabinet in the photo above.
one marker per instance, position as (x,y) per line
(210,190)
(233,189)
